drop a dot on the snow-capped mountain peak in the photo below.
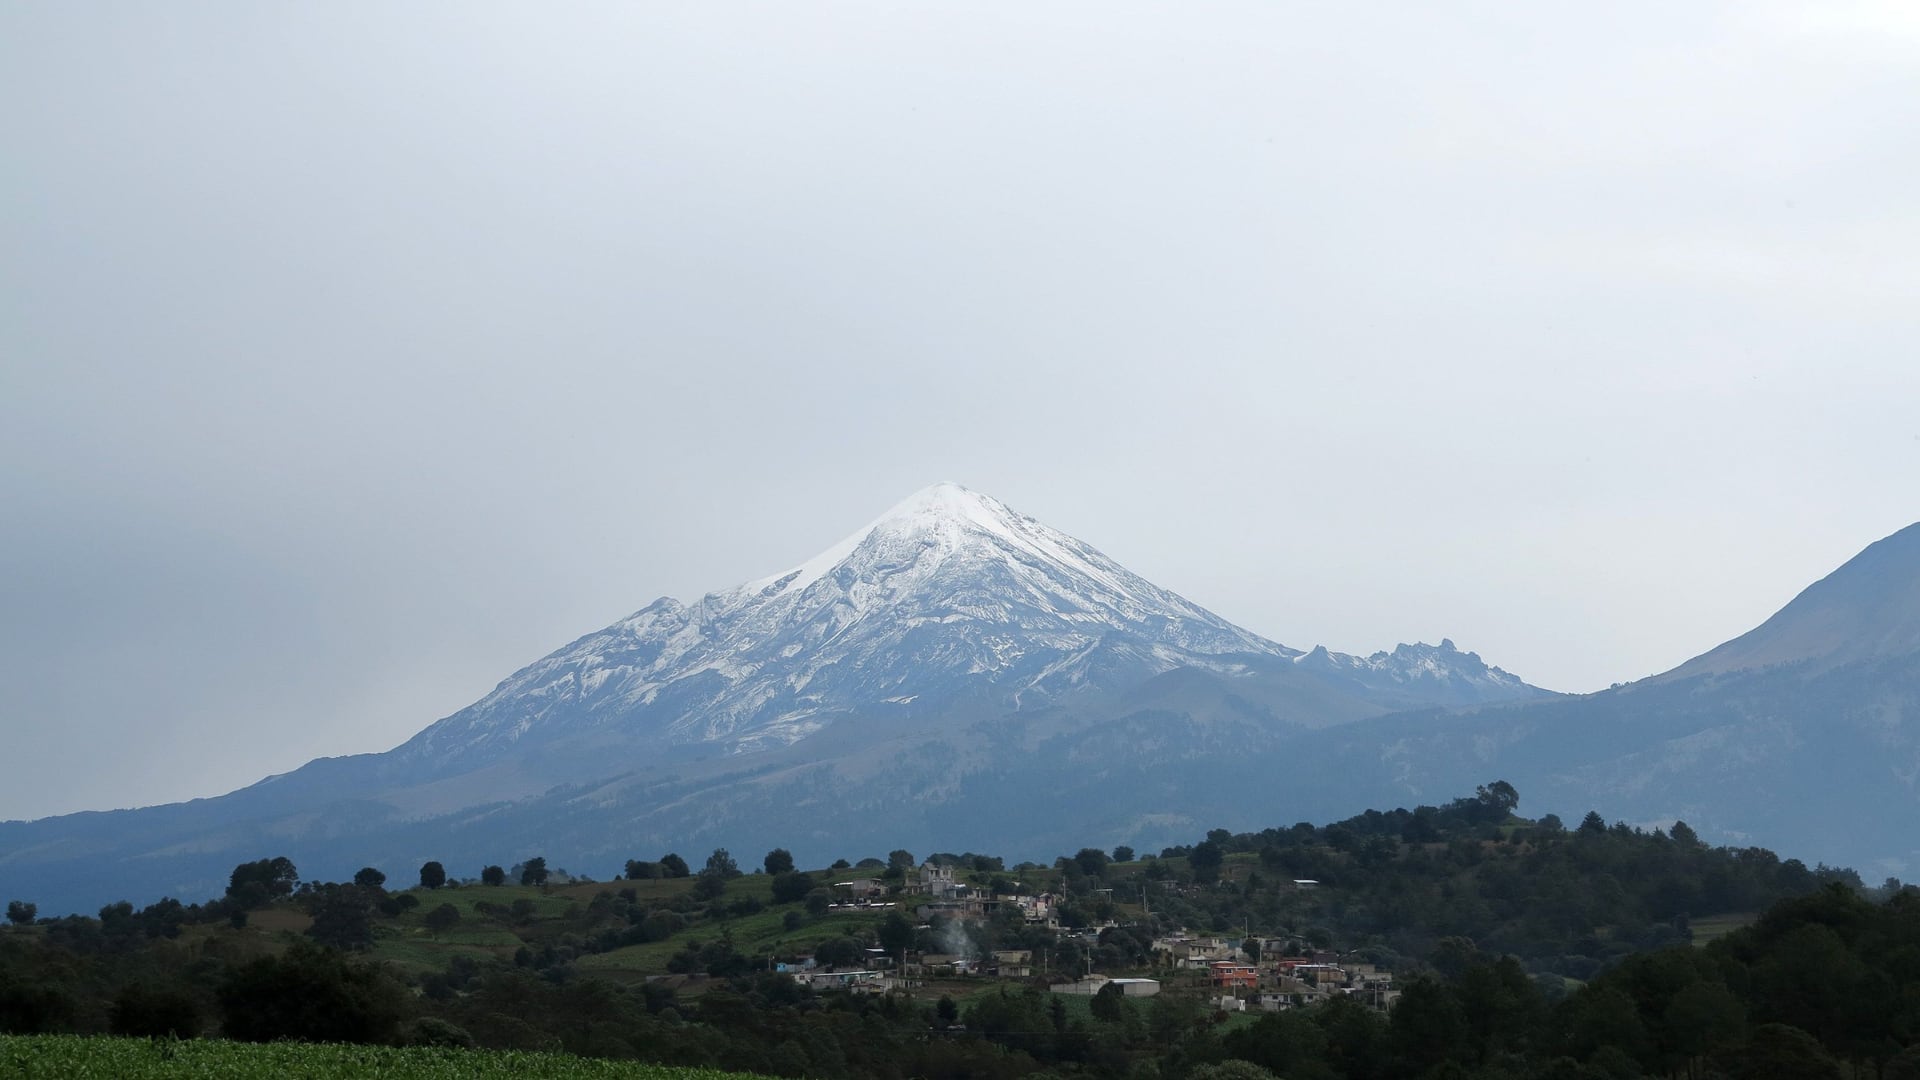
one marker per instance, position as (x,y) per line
(943,513)
(949,595)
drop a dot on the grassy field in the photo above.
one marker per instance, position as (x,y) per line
(73,1057)
(560,910)
(1713,927)
(761,932)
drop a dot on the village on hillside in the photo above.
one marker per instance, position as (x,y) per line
(1234,974)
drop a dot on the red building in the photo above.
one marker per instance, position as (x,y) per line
(1228,975)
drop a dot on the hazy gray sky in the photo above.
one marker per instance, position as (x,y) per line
(354,355)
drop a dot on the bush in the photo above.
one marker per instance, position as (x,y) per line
(433,1031)
(790,887)
(310,995)
(149,1012)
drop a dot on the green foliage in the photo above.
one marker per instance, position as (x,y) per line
(1492,925)
(147,1011)
(896,934)
(432,875)
(343,918)
(534,871)
(841,952)
(311,995)
(493,875)
(254,883)
(673,866)
(21,913)
(790,887)
(63,1056)
(1205,860)
(442,919)
(779,861)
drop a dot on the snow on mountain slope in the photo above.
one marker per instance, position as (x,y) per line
(1441,674)
(949,592)
(948,596)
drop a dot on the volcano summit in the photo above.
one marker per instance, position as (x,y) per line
(954,674)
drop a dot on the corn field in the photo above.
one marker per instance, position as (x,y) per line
(74,1057)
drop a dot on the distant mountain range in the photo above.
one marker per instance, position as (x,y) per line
(957,676)
(1802,735)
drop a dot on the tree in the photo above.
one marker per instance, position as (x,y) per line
(896,934)
(254,883)
(779,861)
(369,878)
(1092,862)
(1426,1027)
(442,919)
(841,952)
(721,864)
(144,1011)
(1593,824)
(641,870)
(534,871)
(344,919)
(432,875)
(1123,853)
(311,995)
(791,887)
(1684,835)
(709,886)
(1109,1003)
(1778,1052)
(674,866)
(21,913)
(493,875)
(1230,1069)
(1496,800)
(1205,860)
(900,859)
(840,864)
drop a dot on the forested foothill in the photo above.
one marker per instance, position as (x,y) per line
(1515,947)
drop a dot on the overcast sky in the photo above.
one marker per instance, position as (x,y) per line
(354,355)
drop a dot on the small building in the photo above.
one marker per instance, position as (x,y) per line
(1012,963)
(1137,987)
(861,888)
(1227,975)
(938,882)
(841,980)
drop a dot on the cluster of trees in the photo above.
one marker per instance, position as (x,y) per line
(1398,883)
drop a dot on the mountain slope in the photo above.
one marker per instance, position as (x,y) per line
(1802,735)
(1868,609)
(948,593)
(952,674)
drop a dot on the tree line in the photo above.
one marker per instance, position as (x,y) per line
(1523,948)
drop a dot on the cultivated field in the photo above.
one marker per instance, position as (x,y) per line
(74,1057)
